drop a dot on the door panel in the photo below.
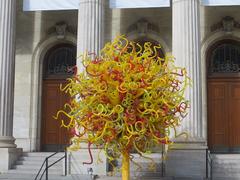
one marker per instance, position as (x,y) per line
(224,115)
(54,137)
(234,109)
(217,98)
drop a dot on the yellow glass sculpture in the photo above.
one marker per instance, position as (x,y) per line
(128,98)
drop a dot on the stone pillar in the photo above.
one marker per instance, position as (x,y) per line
(90,39)
(90,26)
(186,50)
(7,63)
(187,157)
(8,151)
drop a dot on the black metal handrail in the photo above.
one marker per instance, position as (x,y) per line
(47,166)
(208,164)
(163,163)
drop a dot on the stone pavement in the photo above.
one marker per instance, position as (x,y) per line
(84,177)
(87,177)
(149,178)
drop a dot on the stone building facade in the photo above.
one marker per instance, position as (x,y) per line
(204,39)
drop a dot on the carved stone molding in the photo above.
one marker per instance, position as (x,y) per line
(142,27)
(61,29)
(227,24)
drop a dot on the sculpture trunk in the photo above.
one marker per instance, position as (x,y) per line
(125,166)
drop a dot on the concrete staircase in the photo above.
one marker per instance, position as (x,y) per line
(29,164)
(226,166)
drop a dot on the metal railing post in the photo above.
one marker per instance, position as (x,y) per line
(46,168)
(162,160)
(207,163)
(211,172)
(65,162)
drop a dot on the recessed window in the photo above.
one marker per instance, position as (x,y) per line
(225,58)
(59,61)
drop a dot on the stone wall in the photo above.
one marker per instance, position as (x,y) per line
(32,29)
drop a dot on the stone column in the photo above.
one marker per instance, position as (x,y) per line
(186,49)
(7,63)
(8,151)
(187,157)
(90,26)
(90,39)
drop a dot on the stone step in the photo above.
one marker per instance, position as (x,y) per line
(42,157)
(29,164)
(34,171)
(226,161)
(36,163)
(225,170)
(233,162)
(37,159)
(50,177)
(222,168)
(224,173)
(33,167)
(83,177)
(42,154)
(226,178)
(225,156)
(226,166)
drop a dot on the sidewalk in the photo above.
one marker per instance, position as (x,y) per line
(137,178)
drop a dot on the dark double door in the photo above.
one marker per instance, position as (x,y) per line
(224,114)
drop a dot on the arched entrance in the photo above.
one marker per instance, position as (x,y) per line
(56,69)
(223,88)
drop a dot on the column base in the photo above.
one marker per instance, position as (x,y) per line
(7,142)
(8,157)
(186,160)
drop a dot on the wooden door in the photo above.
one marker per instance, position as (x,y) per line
(224,114)
(54,137)
(57,67)
(234,116)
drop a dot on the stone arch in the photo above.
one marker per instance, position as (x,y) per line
(144,29)
(36,83)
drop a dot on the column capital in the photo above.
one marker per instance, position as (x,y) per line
(179,1)
(92,1)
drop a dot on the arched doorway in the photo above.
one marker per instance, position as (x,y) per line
(57,63)
(223,88)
